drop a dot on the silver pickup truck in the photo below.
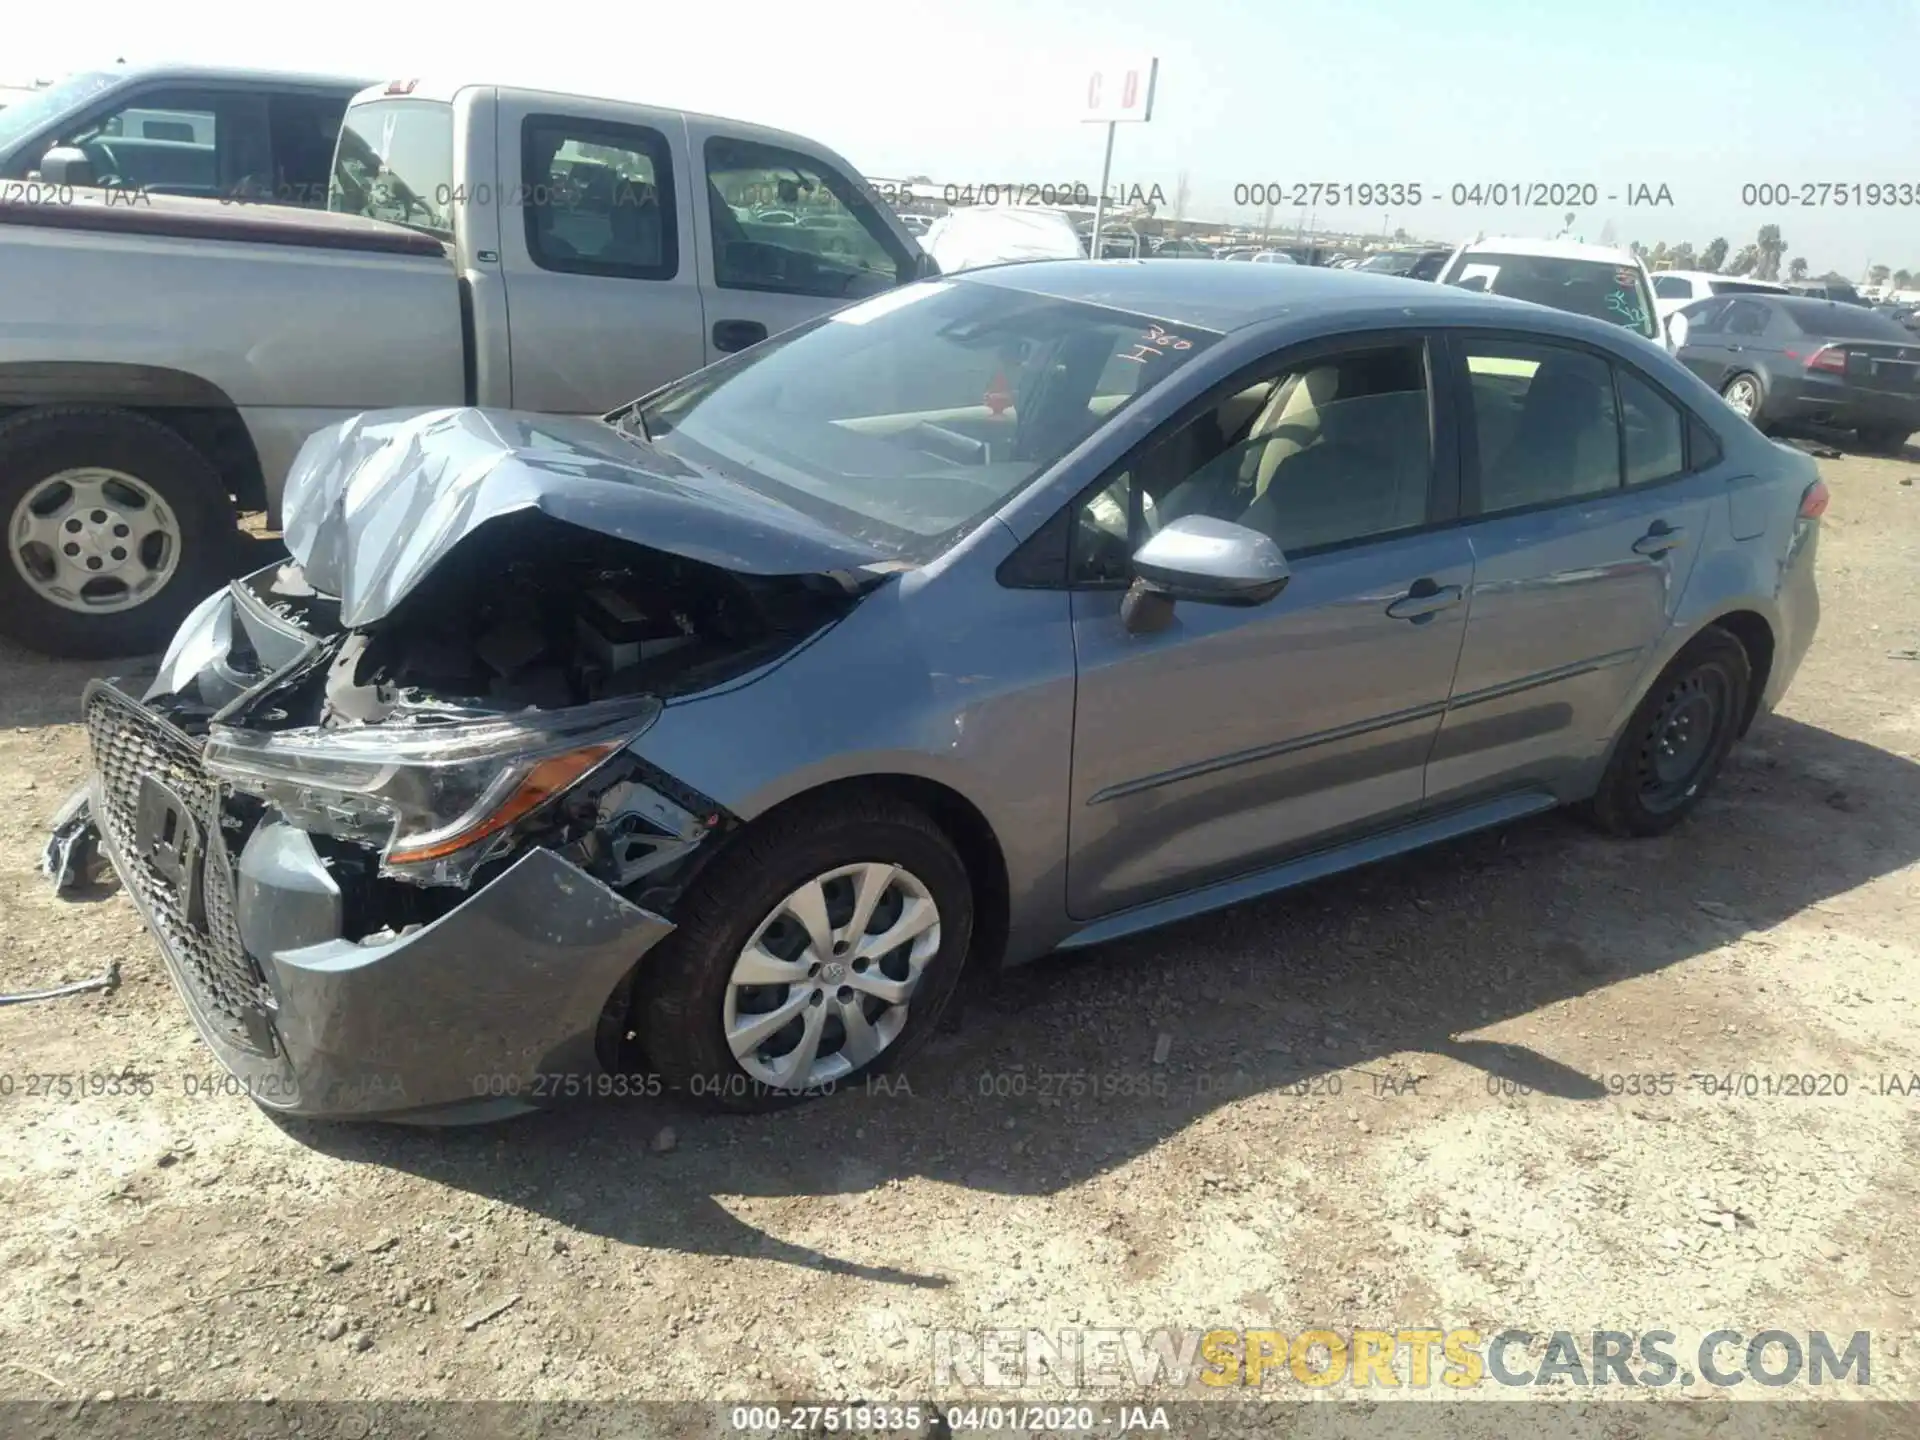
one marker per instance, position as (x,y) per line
(162,358)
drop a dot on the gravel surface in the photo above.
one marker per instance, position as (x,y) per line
(1400,1098)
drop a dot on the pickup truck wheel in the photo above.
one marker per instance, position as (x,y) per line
(1885,440)
(822,947)
(115,528)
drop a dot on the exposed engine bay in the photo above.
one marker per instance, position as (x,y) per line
(537,613)
(498,696)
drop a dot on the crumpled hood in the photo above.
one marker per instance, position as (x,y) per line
(375,503)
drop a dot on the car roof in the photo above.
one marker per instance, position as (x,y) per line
(444,91)
(1210,296)
(162,70)
(1562,249)
(1718,275)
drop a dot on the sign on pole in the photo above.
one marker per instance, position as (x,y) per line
(1120,90)
(1116,91)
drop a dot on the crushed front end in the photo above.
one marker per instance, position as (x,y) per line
(408,870)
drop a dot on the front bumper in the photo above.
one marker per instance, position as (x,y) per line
(490,1009)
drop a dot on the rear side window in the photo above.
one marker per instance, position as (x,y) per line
(395,163)
(1746,317)
(1670,287)
(1653,429)
(1740,287)
(1544,423)
(598,198)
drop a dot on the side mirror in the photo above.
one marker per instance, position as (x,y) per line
(926,267)
(67,165)
(1676,330)
(1208,561)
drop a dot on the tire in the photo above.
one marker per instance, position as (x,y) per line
(1884,441)
(39,445)
(1634,797)
(1747,380)
(682,994)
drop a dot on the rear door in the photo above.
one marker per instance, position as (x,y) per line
(1584,515)
(785,234)
(1703,339)
(597,252)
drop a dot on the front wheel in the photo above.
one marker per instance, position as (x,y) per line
(818,950)
(1674,745)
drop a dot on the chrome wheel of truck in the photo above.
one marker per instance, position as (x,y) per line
(95,541)
(115,527)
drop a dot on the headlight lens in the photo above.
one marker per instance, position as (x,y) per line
(438,798)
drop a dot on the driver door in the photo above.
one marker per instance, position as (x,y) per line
(1236,738)
(784,236)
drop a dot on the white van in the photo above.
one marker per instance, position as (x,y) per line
(1603,281)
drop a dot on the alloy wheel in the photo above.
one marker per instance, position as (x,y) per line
(822,987)
(1744,396)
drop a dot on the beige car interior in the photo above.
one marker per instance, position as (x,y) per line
(1331,452)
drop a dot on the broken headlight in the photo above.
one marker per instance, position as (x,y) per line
(438,799)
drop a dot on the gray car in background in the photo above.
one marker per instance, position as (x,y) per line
(702,746)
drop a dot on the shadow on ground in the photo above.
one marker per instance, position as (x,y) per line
(1051,1078)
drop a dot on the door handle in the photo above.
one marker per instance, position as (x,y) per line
(732,335)
(1733,347)
(1424,600)
(1660,539)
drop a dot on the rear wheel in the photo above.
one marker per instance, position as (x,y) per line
(1679,736)
(115,528)
(815,951)
(1884,440)
(1744,395)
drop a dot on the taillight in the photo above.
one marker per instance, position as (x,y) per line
(1827,358)
(1814,503)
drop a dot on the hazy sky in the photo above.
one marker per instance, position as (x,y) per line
(1700,98)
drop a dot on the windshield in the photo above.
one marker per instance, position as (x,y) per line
(1583,287)
(25,118)
(394,162)
(907,419)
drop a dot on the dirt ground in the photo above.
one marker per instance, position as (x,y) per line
(1485,1163)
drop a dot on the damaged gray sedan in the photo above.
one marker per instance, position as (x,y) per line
(707,741)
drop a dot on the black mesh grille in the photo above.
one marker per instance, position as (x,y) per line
(199,930)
